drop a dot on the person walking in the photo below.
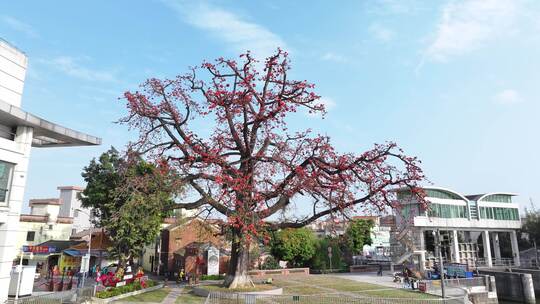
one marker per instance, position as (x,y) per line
(379,273)
(79,279)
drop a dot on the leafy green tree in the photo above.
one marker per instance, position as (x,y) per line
(321,260)
(130,198)
(531,227)
(103,178)
(357,235)
(296,246)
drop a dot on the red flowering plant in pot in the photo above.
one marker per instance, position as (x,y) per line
(250,167)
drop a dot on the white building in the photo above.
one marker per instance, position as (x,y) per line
(53,219)
(42,224)
(19,132)
(71,204)
(478,230)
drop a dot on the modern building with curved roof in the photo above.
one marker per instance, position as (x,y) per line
(20,131)
(478,230)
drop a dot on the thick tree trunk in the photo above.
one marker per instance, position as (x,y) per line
(237,274)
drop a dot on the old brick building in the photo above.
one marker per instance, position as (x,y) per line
(182,243)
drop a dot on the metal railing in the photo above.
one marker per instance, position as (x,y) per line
(236,298)
(503,262)
(434,286)
(79,295)
(530,263)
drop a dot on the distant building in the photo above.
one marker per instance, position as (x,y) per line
(44,223)
(380,233)
(99,245)
(71,207)
(328,227)
(19,132)
(53,219)
(181,242)
(380,237)
(479,230)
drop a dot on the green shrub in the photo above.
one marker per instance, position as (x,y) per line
(205,277)
(270,263)
(116,291)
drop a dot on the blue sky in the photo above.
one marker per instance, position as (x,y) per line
(453,82)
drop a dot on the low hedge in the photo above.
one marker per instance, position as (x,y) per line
(116,291)
(213,277)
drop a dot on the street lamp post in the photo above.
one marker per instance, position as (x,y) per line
(441,265)
(89,244)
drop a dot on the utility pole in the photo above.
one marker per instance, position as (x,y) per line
(330,257)
(441,264)
(86,266)
(536,254)
(533,208)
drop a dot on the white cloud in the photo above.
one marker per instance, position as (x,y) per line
(19,26)
(330,56)
(467,25)
(507,97)
(328,103)
(381,33)
(239,34)
(71,66)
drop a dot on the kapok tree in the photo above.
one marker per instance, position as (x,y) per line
(249,167)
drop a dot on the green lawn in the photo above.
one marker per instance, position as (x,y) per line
(219,288)
(303,290)
(310,287)
(189,298)
(353,286)
(322,284)
(155,296)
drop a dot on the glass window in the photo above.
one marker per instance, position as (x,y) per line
(6,170)
(30,235)
(498,198)
(496,213)
(442,194)
(404,196)
(447,211)
(409,210)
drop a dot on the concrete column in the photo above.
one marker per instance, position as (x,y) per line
(455,246)
(421,240)
(9,227)
(487,248)
(528,288)
(492,286)
(496,247)
(515,248)
(421,260)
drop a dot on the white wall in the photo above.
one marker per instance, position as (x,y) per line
(59,231)
(67,197)
(12,73)
(13,65)
(9,215)
(424,221)
(70,202)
